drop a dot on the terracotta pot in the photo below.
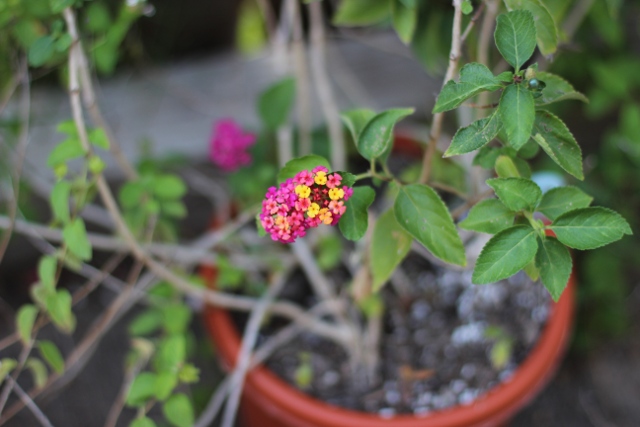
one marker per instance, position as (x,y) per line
(268,401)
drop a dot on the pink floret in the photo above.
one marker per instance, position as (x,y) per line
(229,144)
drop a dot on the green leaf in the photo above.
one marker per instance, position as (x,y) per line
(41,51)
(142,422)
(356,120)
(466,7)
(169,187)
(38,371)
(486,157)
(505,254)
(98,137)
(176,318)
(590,228)
(171,353)
(52,356)
(292,167)
(146,323)
(390,244)
(65,151)
(559,200)
(75,237)
(557,141)
(60,201)
(25,319)
(361,12)
(6,366)
(377,136)
(517,194)
(47,267)
(556,89)
(173,209)
(189,374)
(404,20)
(474,136)
(98,18)
(488,216)
(131,194)
(179,411)
(501,353)
(546,34)
(506,168)
(165,383)
(353,224)
(59,308)
(517,112)
(421,212)
(58,6)
(276,102)
(515,37)
(142,389)
(474,78)
(64,42)
(554,262)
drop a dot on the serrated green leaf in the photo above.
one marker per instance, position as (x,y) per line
(532,271)
(131,194)
(404,20)
(98,137)
(557,89)
(590,228)
(505,254)
(559,200)
(292,167)
(546,34)
(142,422)
(169,187)
(557,141)
(517,112)
(390,244)
(276,102)
(353,224)
(466,7)
(179,411)
(517,194)
(189,374)
(554,263)
(60,194)
(38,371)
(486,157)
(67,150)
(377,136)
(142,389)
(41,51)
(6,366)
(529,150)
(361,12)
(356,120)
(515,37)
(421,212)
(59,308)
(474,136)
(52,356)
(474,78)
(506,168)
(165,383)
(75,237)
(488,216)
(25,319)
(173,209)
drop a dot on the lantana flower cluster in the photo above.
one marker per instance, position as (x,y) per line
(229,145)
(309,199)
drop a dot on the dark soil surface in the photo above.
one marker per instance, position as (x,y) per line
(437,344)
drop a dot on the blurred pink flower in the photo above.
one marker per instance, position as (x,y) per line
(229,144)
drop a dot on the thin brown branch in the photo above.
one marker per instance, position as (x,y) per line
(436,126)
(301,70)
(472,23)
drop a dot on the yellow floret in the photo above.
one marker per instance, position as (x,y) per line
(320,178)
(303,191)
(325,216)
(313,210)
(336,193)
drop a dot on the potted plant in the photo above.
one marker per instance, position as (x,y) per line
(394,206)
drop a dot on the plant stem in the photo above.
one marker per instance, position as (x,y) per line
(484,43)
(323,86)
(436,127)
(301,71)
